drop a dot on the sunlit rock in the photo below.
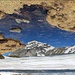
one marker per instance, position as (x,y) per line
(62,14)
(1,36)
(9,45)
(2,15)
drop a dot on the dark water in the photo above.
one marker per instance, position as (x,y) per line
(39,72)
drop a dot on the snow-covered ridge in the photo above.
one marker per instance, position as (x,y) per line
(70,49)
(35,48)
(35,43)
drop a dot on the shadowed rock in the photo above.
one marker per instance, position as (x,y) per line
(1,57)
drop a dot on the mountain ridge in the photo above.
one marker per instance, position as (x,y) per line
(35,48)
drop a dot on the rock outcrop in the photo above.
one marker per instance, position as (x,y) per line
(1,57)
(61,13)
(2,15)
(1,36)
(13,6)
(8,45)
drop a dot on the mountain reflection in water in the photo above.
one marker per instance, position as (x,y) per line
(47,72)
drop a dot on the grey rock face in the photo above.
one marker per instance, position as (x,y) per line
(35,48)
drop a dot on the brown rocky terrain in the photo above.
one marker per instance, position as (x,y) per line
(10,6)
(8,45)
(61,13)
(2,14)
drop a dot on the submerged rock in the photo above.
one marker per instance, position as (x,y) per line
(22,20)
(17,29)
(37,13)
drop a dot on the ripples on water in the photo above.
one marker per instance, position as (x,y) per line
(47,72)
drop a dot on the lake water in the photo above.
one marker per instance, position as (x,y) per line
(37,72)
(53,65)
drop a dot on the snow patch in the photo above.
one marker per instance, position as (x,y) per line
(70,50)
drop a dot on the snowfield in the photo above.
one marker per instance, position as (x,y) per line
(59,62)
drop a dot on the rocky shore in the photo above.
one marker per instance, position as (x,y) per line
(1,56)
(9,45)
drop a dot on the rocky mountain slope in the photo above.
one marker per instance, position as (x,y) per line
(64,50)
(8,45)
(35,48)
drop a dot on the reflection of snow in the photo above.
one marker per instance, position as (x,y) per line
(39,63)
(8,73)
(50,73)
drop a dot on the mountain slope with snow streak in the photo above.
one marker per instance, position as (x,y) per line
(35,48)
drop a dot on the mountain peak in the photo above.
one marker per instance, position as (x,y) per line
(35,48)
(37,44)
(33,41)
